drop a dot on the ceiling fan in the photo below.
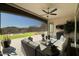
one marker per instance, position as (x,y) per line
(48,12)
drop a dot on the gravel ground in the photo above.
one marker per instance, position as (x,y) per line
(17,44)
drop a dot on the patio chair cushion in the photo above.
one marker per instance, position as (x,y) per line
(9,50)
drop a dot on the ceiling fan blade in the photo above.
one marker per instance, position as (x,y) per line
(53,10)
(45,11)
(43,14)
(53,14)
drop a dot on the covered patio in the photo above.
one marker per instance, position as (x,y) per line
(62,13)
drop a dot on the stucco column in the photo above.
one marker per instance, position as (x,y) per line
(48,28)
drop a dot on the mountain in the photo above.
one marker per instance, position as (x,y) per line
(10,30)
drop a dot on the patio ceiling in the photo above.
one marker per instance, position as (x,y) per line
(65,10)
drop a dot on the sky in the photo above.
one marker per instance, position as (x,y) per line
(8,20)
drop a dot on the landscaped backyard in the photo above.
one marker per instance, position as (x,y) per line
(15,36)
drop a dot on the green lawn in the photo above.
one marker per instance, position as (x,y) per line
(14,36)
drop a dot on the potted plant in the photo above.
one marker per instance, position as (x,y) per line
(6,42)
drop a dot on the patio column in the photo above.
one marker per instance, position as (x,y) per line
(48,33)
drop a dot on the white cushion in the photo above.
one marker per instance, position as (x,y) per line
(62,38)
(26,40)
(33,43)
(42,47)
